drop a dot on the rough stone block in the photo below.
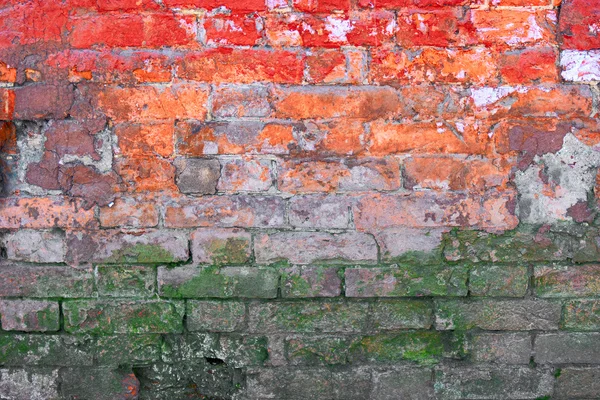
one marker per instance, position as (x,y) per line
(498,280)
(215,316)
(221,246)
(197,176)
(29,315)
(310,281)
(502,348)
(125,281)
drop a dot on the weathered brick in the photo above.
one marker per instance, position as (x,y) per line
(115,247)
(125,281)
(145,139)
(567,348)
(29,384)
(227,211)
(307,317)
(580,66)
(215,316)
(498,280)
(221,246)
(245,175)
(403,382)
(529,66)
(197,175)
(310,281)
(39,101)
(34,246)
(44,213)
(406,281)
(29,315)
(578,26)
(146,174)
(107,317)
(581,383)
(387,315)
(409,244)
(224,282)
(582,315)
(100,383)
(567,281)
(319,211)
(130,213)
(323,350)
(44,350)
(45,281)
(127,349)
(310,247)
(241,101)
(234,29)
(502,348)
(512,315)
(490,382)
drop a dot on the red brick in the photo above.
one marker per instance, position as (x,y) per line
(335,102)
(580,24)
(337,137)
(424,102)
(235,29)
(41,101)
(7,104)
(32,22)
(326,66)
(439,27)
(146,174)
(514,28)
(8,138)
(129,212)
(241,101)
(426,137)
(299,176)
(145,139)
(245,175)
(397,4)
(242,66)
(126,5)
(144,103)
(234,5)
(44,213)
(430,65)
(533,65)
(321,6)
(133,30)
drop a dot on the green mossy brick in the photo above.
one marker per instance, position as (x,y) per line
(215,316)
(317,350)
(30,315)
(567,281)
(126,281)
(136,317)
(45,350)
(407,281)
(401,314)
(423,347)
(219,282)
(127,349)
(343,317)
(581,315)
(498,280)
(310,281)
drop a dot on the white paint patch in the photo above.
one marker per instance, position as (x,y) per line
(578,66)
(338,29)
(487,95)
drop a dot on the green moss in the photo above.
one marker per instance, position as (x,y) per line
(141,253)
(557,373)
(229,251)
(425,347)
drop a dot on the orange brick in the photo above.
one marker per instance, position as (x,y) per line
(529,66)
(235,29)
(7,104)
(7,74)
(146,174)
(514,28)
(129,212)
(44,213)
(146,139)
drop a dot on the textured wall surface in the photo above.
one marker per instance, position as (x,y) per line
(299,199)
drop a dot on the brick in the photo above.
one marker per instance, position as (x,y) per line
(476,65)
(498,280)
(319,211)
(424,210)
(215,316)
(307,317)
(390,315)
(529,66)
(241,101)
(234,211)
(134,30)
(409,244)
(107,317)
(29,315)
(367,102)
(444,27)
(514,315)
(44,213)
(419,346)
(7,104)
(127,349)
(567,348)
(309,247)
(582,315)
(339,137)
(566,281)
(146,174)
(18,349)
(41,281)
(489,382)
(453,174)
(578,26)
(406,281)
(501,348)
(234,5)
(580,66)
(197,175)
(326,66)
(321,6)
(7,74)
(149,103)
(225,282)
(126,281)
(403,382)
(425,137)
(242,66)
(114,247)
(130,213)
(99,383)
(24,384)
(245,175)
(145,139)
(234,29)
(317,350)
(578,382)
(34,246)
(221,246)
(40,101)
(310,281)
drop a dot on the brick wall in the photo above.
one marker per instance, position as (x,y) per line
(299,199)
